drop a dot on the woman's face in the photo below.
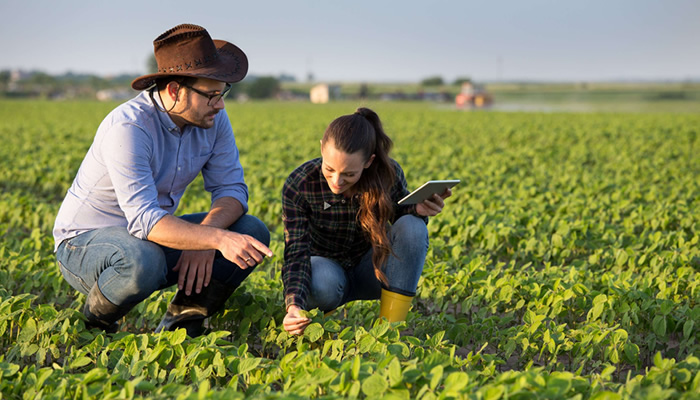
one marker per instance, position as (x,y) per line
(342,170)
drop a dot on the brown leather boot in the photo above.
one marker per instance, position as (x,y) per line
(189,312)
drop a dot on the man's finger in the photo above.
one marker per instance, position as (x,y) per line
(264,250)
(201,271)
(255,256)
(208,270)
(191,275)
(181,275)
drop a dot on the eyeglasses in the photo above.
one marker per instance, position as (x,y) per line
(213,98)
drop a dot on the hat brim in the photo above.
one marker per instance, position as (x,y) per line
(232,66)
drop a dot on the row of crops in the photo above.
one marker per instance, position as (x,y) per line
(565,265)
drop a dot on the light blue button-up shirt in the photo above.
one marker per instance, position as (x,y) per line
(139,165)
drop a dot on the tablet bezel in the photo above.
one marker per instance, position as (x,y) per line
(428,189)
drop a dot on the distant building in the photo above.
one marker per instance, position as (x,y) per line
(15,77)
(114,94)
(321,94)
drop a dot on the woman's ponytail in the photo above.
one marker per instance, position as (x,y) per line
(363,131)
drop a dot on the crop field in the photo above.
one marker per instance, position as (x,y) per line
(565,265)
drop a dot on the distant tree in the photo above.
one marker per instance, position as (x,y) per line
(264,87)
(432,81)
(4,79)
(463,79)
(152,64)
(364,91)
(287,78)
(40,83)
(98,83)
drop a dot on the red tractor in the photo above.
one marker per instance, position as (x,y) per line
(473,96)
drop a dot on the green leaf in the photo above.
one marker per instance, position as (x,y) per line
(94,375)
(247,365)
(80,362)
(331,326)
(659,325)
(394,372)
(620,335)
(682,375)
(313,332)
(374,386)
(8,369)
(366,343)
(494,392)
(178,336)
(399,349)
(356,368)
(323,374)
(380,329)
(594,313)
(456,381)
(621,257)
(631,353)
(614,356)
(436,376)
(557,241)
(600,299)
(606,395)
(28,331)
(688,329)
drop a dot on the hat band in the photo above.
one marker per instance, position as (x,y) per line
(194,64)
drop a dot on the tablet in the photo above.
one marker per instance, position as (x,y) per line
(427,190)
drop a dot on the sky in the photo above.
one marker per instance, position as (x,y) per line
(371,40)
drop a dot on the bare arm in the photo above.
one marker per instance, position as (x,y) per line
(178,234)
(210,235)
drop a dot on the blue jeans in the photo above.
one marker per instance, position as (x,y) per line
(333,286)
(128,269)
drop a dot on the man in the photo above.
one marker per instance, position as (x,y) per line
(117,240)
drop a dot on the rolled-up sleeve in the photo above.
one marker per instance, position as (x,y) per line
(126,151)
(223,172)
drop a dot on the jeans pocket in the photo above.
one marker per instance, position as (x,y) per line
(74,280)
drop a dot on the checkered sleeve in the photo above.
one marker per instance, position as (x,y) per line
(296,272)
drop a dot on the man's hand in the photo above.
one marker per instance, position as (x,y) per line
(194,269)
(293,322)
(243,250)
(432,206)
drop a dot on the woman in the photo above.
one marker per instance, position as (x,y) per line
(339,246)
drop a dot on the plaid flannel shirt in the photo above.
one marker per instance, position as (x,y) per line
(320,223)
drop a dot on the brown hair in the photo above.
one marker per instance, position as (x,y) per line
(362,131)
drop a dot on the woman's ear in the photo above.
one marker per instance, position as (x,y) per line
(369,162)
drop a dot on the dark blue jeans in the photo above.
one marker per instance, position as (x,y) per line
(333,286)
(128,269)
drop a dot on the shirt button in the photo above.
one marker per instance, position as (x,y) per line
(343,201)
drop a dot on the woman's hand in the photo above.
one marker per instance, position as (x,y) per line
(432,206)
(294,323)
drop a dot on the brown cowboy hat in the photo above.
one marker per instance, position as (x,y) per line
(188,50)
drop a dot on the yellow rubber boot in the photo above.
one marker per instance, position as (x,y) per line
(393,306)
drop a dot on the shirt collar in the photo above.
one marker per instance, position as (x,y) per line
(328,196)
